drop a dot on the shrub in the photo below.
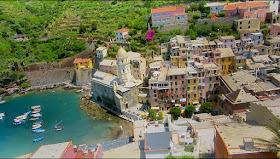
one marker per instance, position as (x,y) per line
(206,107)
(152,114)
(189,111)
(189,148)
(25,85)
(175,112)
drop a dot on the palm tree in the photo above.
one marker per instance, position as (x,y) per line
(274,144)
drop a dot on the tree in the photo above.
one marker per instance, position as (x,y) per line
(194,6)
(132,32)
(82,29)
(114,2)
(189,111)
(152,114)
(196,15)
(160,115)
(25,85)
(175,112)
(93,26)
(222,14)
(206,107)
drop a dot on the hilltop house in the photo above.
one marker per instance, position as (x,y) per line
(122,34)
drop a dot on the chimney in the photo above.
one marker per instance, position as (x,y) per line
(248,143)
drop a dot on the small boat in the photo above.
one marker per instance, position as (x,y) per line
(2,101)
(36,115)
(36,111)
(36,126)
(21,116)
(18,120)
(38,122)
(33,118)
(38,139)
(18,123)
(2,115)
(36,107)
(39,130)
(58,128)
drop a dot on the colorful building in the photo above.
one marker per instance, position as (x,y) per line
(215,7)
(80,63)
(122,34)
(109,66)
(275,29)
(192,82)
(228,41)
(247,10)
(168,16)
(226,60)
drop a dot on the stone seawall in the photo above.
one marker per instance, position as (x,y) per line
(215,21)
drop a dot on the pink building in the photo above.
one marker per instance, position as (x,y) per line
(59,150)
(247,10)
(228,41)
(177,82)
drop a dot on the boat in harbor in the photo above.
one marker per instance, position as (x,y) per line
(36,115)
(38,122)
(34,118)
(38,139)
(36,126)
(2,101)
(58,128)
(36,111)
(2,115)
(36,107)
(39,130)
(18,123)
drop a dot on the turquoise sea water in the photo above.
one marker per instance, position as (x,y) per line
(56,106)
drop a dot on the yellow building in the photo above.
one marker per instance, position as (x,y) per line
(82,63)
(192,83)
(179,61)
(226,60)
(240,63)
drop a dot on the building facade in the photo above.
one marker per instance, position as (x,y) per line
(121,34)
(168,16)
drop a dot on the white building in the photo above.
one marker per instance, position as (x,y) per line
(215,7)
(101,52)
(273,6)
(122,34)
(257,37)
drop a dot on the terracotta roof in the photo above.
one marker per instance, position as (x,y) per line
(164,9)
(79,60)
(240,96)
(123,30)
(245,5)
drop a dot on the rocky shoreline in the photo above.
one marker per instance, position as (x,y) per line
(122,129)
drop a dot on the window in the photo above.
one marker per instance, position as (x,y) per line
(171,83)
(177,97)
(210,79)
(167,13)
(163,19)
(194,95)
(170,77)
(188,81)
(155,100)
(163,13)
(176,90)
(155,95)
(249,27)
(229,59)
(176,83)
(240,22)
(217,78)
(167,19)
(240,27)
(188,88)
(183,82)
(189,96)
(183,96)
(175,76)
(249,21)
(223,59)
(155,91)
(172,97)
(172,90)
(159,20)
(182,76)
(183,89)
(194,88)
(154,15)
(158,14)
(194,81)
(154,20)
(210,85)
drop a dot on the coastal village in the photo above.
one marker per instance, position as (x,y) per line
(192,97)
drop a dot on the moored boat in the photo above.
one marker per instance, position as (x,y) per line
(58,128)
(36,126)
(2,115)
(36,115)
(36,107)
(38,139)
(36,111)
(34,118)
(18,123)
(39,130)
(38,122)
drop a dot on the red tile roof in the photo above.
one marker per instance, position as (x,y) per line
(123,30)
(79,60)
(80,154)
(245,5)
(164,9)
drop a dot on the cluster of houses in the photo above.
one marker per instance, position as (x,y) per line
(239,76)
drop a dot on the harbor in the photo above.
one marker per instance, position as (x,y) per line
(60,119)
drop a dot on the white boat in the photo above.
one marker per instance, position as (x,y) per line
(19,120)
(36,115)
(2,101)
(22,116)
(36,111)
(36,107)
(2,114)
(37,126)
